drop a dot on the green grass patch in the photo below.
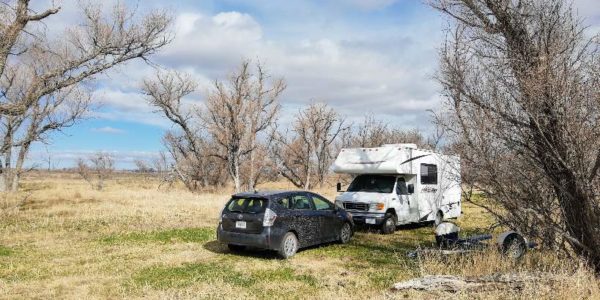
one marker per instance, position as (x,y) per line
(5,251)
(166,277)
(185,235)
(370,248)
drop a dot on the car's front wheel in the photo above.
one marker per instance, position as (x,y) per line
(289,245)
(345,233)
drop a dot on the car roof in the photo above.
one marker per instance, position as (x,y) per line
(266,194)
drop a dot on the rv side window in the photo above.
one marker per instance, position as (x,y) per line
(429,174)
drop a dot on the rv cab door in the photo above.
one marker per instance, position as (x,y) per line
(408,207)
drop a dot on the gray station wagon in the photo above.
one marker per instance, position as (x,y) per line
(283,221)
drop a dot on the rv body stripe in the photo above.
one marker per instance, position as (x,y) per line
(416,157)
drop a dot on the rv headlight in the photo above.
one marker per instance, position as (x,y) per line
(377,206)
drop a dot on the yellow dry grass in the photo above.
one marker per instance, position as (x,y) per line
(61,239)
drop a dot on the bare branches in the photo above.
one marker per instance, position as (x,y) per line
(238,111)
(98,168)
(522,111)
(41,85)
(306,156)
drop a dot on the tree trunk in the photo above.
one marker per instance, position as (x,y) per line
(16,175)
(5,176)
(3,181)
(251,183)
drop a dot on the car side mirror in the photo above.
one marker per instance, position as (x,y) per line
(339,187)
(411,188)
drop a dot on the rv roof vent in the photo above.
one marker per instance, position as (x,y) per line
(409,146)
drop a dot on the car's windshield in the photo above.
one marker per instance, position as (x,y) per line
(246,205)
(372,184)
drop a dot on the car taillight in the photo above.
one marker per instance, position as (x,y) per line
(269,218)
(221,216)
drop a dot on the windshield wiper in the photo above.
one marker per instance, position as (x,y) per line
(236,211)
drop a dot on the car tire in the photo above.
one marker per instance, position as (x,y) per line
(439,218)
(289,246)
(345,233)
(236,248)
(389,224)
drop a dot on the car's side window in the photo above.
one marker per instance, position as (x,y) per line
(284,202)
(301,202)
(322,204)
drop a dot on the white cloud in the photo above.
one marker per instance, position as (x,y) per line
(389,72)
(109,130)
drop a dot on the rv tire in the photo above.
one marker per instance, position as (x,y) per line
(389,224)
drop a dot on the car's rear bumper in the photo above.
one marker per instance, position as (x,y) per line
(267,239)
(360,218)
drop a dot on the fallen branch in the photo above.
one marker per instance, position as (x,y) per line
(451,283)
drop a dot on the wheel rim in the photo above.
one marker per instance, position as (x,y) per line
(389,223)
(345,232)
(289,246)
(514,249)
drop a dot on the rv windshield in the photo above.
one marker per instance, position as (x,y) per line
(372,184)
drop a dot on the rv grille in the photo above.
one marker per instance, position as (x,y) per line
(356,206)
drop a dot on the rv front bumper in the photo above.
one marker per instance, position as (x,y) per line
(367,218)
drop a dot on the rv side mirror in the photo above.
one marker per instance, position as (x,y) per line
(339,187)
(411,188)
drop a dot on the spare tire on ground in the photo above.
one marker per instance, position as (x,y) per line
(446,234)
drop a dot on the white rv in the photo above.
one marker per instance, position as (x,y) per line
(399,184)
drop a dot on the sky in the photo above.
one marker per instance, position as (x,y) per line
(358,56)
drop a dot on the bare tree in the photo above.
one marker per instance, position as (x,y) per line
(372,132)
(189,149)
(305,157)
(237,112)
(522,87)
(40,74)
(98,168)
(60,110)
(143,166)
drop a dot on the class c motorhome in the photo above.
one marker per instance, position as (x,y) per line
(399,184)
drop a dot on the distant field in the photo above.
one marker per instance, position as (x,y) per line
(65,240)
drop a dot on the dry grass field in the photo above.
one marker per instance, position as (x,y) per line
(66,240)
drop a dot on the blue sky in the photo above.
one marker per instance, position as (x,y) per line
(358,56)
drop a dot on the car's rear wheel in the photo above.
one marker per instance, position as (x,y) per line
(389,224)
(345,233)
(289,245)
(236,248)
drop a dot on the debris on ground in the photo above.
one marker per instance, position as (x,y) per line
(510,243)
(451,283)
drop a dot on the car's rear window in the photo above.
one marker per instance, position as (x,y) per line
(247,205)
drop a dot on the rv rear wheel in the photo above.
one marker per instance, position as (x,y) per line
(389,224)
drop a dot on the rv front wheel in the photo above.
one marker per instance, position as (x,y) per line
(389,224)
